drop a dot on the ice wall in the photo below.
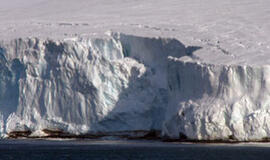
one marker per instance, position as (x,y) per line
(213,102)
(128,83)
(117,83)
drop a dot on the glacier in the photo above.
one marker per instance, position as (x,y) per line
(121,82)
(83,85)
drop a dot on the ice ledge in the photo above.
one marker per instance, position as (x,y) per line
(128,83)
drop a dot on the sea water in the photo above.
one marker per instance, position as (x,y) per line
(124,150)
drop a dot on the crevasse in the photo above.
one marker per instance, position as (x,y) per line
(128,83)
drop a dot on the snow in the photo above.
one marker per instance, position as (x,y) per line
(229,32)
(199,68)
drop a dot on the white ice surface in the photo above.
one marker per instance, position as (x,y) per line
(210,82)
(230,32)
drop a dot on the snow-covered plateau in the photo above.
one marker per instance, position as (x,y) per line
(184,69)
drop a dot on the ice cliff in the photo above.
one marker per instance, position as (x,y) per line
(128,83)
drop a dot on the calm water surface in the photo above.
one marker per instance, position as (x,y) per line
(124,150)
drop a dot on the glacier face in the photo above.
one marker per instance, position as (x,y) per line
(218,102)
(83,85)
(128,83)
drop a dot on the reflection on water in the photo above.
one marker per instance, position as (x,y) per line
(96,149)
